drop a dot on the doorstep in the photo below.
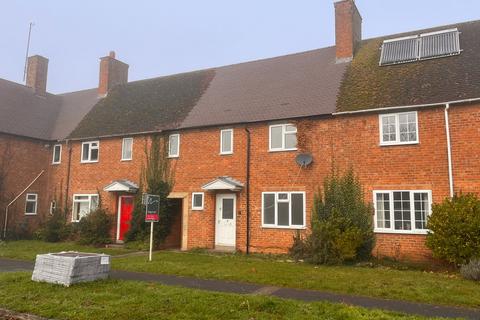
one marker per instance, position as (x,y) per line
(225,249)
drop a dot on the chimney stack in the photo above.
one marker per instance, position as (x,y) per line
(112,72)
(37,69)
(348,29)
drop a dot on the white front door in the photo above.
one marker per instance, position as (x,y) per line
(225,225)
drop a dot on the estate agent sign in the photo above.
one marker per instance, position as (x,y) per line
(152,205)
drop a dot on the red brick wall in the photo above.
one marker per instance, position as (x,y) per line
(347,141)
(23,159)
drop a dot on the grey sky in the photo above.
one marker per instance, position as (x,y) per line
(164,37)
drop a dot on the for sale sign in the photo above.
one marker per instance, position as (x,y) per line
(152,205)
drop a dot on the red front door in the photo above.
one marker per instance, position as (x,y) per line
(126,208)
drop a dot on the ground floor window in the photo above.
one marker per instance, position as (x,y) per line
(402,211)
(283,209)
(83,204)
(31,204)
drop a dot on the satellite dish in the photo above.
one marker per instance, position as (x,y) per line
(303,159)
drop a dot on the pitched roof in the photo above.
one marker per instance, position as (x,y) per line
(49,117)
(295,85)
(368,86)
(145,106)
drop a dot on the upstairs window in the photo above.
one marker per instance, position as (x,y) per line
(226,141)
(174,145)
(31,204)
(283,210)
(57,154)
(402,211)
(283,137)
(90,151)
(127,149)
(399,128)
(83,204)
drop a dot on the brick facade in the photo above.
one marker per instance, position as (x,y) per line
(344,140)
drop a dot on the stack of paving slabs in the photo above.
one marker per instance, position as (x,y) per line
(67,268)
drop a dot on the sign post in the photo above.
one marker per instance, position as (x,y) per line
(152,215)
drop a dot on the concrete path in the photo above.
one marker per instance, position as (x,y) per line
(422,309)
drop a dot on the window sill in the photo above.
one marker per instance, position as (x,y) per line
(284,228)
(173,157)
(406,232)
(125,160)
(55,163)
(282,150)
(197,209)
(225,153)
(89,161)
(390,144)
(30,214)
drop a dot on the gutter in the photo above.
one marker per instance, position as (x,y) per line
(407,107)
(13,201)
(247,191)
(449,150)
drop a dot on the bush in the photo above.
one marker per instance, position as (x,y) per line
(454,229)
(341,224)
(94,228)
(471,271)
(55,228)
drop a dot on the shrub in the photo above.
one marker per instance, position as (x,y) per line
(454,229)
(471,271)
(94,228)
(157,177)
(341,224)
(56,228)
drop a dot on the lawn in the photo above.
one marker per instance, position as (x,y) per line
(413,285)
(28,250)
(113,299)
(382,282)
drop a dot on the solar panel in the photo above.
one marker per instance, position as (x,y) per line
(420,47)
(399,50)
(439,44)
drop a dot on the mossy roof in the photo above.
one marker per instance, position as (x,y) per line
(366,85)
(145,106)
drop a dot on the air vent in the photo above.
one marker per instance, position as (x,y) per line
(420,47)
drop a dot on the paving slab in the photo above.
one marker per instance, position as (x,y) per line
(423,309)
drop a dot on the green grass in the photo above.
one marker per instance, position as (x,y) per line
(412,285)
(27,249)
(113,299)
(382,282)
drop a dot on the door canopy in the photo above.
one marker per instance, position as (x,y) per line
(121,186)
(223,183)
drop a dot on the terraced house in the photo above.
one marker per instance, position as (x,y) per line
(402,110)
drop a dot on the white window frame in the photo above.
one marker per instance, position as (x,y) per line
(89,160)
(178,145)
(193,202)
(392,215)
(59,154)
(35,195)
(89,203)
(397,129)
(123,149)
(284,132)
(275,225)
(222,152)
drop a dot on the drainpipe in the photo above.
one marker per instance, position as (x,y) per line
(13,201)
(69,165)
(247,190)
(449,150)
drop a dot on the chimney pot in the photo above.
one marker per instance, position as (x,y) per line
(112,72)
(348,29)
(37,70)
